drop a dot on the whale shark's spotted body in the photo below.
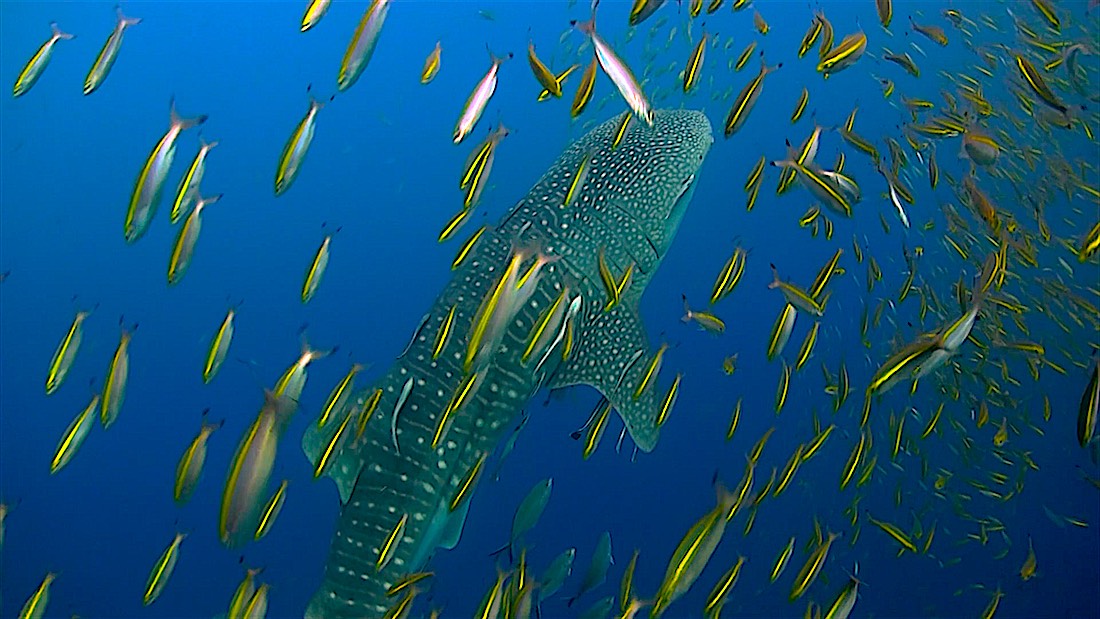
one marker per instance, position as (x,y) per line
(630,205)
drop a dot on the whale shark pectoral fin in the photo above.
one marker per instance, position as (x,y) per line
(455,522)
(346,464)
(611,358)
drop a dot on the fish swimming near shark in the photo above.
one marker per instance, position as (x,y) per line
(405,481)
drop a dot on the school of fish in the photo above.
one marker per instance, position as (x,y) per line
(947,392)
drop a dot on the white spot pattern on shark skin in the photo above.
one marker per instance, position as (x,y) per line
(631,203)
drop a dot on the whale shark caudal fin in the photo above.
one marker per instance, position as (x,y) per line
(614,357)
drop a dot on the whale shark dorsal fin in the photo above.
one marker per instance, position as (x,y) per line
(346,465)
(612,355)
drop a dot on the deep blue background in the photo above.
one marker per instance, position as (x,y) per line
(382,167)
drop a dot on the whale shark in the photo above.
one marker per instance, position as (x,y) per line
(526,309)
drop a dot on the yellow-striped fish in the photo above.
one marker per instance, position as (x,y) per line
(362,44)
(114,389)
(150,181)
(66,351)
(37,64)
(294,152)
(107,56)
(162,570)
(431,64)
(188,191)
(314,12)
(219,347)
(316,269)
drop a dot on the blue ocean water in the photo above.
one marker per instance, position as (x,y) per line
(382,170)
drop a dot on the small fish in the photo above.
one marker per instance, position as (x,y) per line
(74,436)
(826,45)
(467,246)
(37,64)
(316,269)
(668,401)
(480,163)
(271,510)
(362,44)
(529,511)
(251,469)
(293,380)
(188,190)
(1039,86)
(560,80)
(114,389)
(758,22)
(618,71)
(781,331)
(1027,570)
(65,354)
(597,569)
(725,584)
(35,606)
(543,75)
(845,601)
(219,347)
(800,107)
(905,61)
(479,98)
(244,594)
(431,64)
(584,89)
(314,12)
(933,33)
(695,63)
(706,320)
(795,295)
(747,99)
(729,364)
(184,247)
(338,398)
(109,53)
(885,10)
(1089,409)
(845,54)
(294,152)
(642,9)
(808,39)
(191,463)
(556,573)
(1048,12)
(150,181)
(693,553)
(746,55)
(782,560)
(162,570)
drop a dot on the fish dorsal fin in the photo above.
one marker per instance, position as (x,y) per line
(611,355)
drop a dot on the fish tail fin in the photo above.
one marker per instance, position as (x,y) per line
(184,123)
(587,27)
(57,32)
(496,60)
(205,202)
(207,145)
(687,309)
(125,22)
(775,278)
